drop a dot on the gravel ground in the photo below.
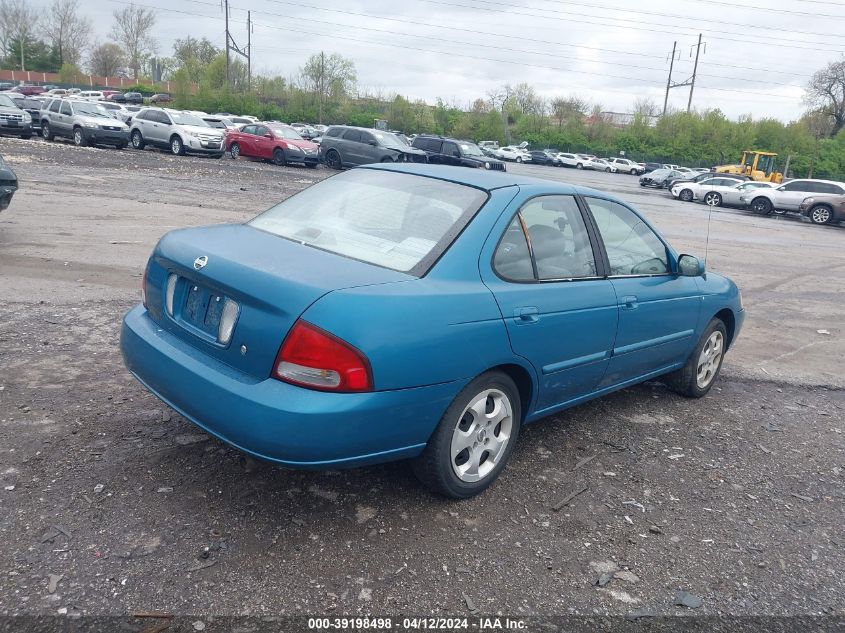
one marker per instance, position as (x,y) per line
(112,504)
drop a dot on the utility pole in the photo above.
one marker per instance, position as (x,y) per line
(322,85)
(669,81)
(694,71)
(689,82)
(231,45)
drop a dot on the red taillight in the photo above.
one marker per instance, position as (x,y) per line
(313,358)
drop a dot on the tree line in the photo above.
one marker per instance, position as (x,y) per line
(325,89)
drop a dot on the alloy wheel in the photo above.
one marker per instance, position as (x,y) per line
(820,215)
(176,145)
(686,195)
(709,360)
(235,150)
(481,435)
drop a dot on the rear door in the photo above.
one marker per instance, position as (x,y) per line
(559,310)
(263,146)
(351,148)
(246,140)
(658,309)
(450,153)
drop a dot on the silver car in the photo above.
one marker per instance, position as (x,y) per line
(180,132)
(84,122)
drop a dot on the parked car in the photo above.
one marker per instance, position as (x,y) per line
(31,106)
(600,164)
(279,143)
(13,119)
(289,337)
(55,92)
(305,130)
(84,122)
(108,93)
(219,123)
(717,191)
(92,95)
(134,97)
(160,97)
(569,160)
(30,90)
(824,208)
(6,85)
(703,176)
(117,111)
(180,132)
(789,196)
(658,178)
(443,150)
(116,97)
(647,167)
(626,166)
(346,146)
(516,154)
(543,157)
(8,184)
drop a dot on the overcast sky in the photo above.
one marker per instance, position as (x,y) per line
(610,52)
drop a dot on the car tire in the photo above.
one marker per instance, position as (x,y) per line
(46,132)
(177,147)
(579,166)
(712,199)
(470,470)
(820,214)
(138,140)
(702,368)
(279,157)
(686,195)
(333,159)
(761,206)
(519,159)
(633,172)
(235,151)
(607,169)
(79,137)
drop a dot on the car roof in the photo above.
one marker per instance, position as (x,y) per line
(484,179)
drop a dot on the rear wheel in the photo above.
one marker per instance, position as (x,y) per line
(279,157)
(474,439)
(761,206)
(699,373)
(713,199)
(46,132)
(686,195)
(79,137)
(235,150)
(820,214)
(333,159)
(138,140)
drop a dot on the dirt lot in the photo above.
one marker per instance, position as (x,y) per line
(111,503)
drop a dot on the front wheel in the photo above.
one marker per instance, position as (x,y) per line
(633,172)
(699,373)
(279,157)
(474,439)
(713,199)
(686,195)
(579,166)
(761,206)
(820,214)
(79,137)
(176,146)
(519,159)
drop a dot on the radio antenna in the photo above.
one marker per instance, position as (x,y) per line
(707,241)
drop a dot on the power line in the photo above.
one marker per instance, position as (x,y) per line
(771,10)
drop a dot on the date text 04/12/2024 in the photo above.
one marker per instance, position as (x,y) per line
(414,624)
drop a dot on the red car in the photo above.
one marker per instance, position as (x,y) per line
(30,90)
(272,141)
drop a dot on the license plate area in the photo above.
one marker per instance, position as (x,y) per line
(202,309)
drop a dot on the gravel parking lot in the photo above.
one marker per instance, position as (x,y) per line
(113,504)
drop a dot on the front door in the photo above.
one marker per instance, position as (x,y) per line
(559,311)
(658,309)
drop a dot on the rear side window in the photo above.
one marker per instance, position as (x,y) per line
(334,131)
(827,187)
(394,220)
(632,247)
(512,260)
(352,135)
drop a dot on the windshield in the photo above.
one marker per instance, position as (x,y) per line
(386,139)
(183,118)
(6,102)
(471,149)
(394,220)
(287,133)
(90,109)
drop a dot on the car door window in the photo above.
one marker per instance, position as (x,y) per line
(367,138)
(54,107)
(632,247)
(260,130)
(795,186)
(352,135)
(827,187)
(450,149)
(248,129)
(66,109)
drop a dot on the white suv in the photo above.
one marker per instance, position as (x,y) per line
(789,196)
(510,152)
(181,132)
(626,166)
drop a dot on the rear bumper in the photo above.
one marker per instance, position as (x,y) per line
(277,421)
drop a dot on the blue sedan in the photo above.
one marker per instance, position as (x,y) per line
(423,312)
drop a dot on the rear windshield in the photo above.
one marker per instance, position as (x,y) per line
(397,221)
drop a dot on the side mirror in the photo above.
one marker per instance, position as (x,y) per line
(268,135)
(690,266)
(373,143)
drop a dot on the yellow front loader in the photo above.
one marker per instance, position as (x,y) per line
(758,166)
